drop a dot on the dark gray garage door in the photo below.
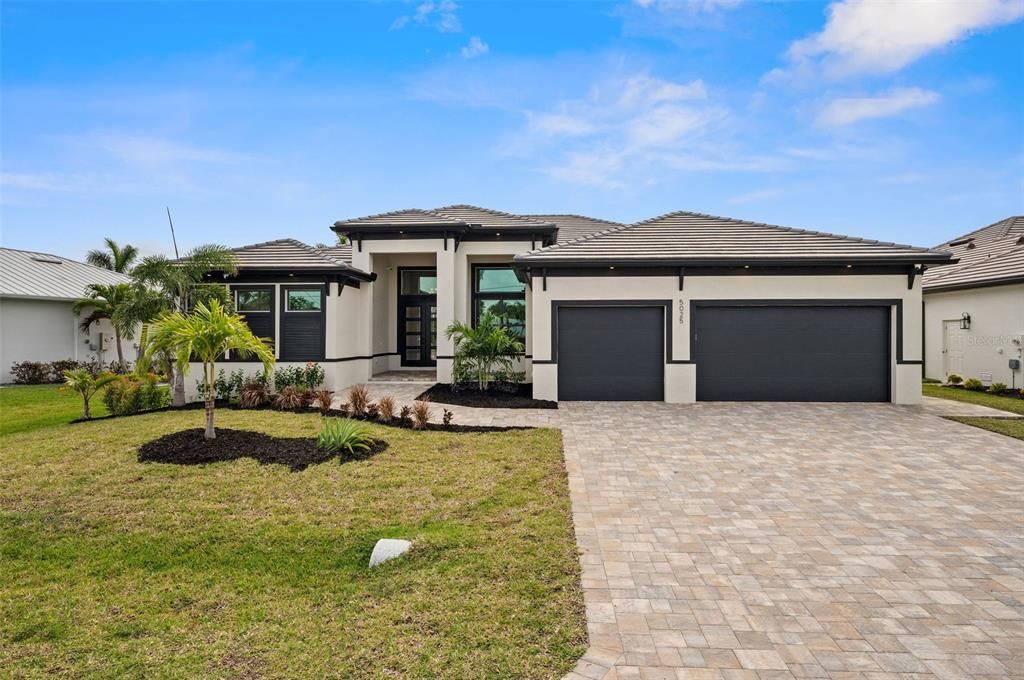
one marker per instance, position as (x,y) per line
(611,353)
(799,353)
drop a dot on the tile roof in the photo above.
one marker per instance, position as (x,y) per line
(455,216)
(695,238)
(28,274)
(398,218)
(484,217)
(288,253)
(572,227)
(342,253)
(987,256)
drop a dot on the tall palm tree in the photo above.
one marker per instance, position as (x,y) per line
(108,301)
(115,258)
(206,334)
(182,283)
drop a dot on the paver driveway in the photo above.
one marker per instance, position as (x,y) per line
(780,540)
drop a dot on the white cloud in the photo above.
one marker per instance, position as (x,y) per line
(667,124)
(475,48)
(644,88)
(555,124)
(692,6)
(871,36)
(438,15)
(633,129)
(29,181)
(848,110)
(755,196)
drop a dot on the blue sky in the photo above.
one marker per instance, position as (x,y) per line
(901,122)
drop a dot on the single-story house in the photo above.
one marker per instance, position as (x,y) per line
(974,309)
(37,291)
(684,307)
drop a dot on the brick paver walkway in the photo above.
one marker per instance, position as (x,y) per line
(769,541)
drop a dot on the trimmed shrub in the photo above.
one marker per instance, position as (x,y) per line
(32,372)
(997,388)
(130,394)
(954,379)
(229,386)
(310,376)
(974,385)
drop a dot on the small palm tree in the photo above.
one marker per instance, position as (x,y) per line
(481,350)
(206,334)
(109,301)
(183,283)
(86,384)
(115,258)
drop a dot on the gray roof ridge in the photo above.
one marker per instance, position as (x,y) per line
(971,234)
(585,237)
(327,259)
(577,216)
(789,229)
(391,213)
(492,211)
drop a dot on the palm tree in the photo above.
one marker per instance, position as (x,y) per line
(483,349)
(83,382)
(115,258)
(109,301)
(206,334)
(181,282)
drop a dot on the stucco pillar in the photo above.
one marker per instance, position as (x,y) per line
(446,296)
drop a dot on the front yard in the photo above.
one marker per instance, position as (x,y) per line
(1011,427)
(1003,403)
(24,408)
(115,568)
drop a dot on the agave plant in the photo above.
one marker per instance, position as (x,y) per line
(342,435)
(206,334)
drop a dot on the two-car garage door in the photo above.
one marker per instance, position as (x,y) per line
(791,353)
(761,352)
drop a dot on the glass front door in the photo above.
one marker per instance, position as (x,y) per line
(417,317)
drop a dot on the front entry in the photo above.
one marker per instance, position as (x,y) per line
(417,317)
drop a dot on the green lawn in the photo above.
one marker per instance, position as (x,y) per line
(29,407)
(1011,404)
(1011,427)
(112,568)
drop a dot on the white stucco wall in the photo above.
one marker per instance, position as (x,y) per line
(680,379)
(995,335)
(454,289)
(47,330)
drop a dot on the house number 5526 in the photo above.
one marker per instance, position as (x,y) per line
(682,312)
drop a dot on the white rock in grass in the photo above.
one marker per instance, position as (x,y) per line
(388,548)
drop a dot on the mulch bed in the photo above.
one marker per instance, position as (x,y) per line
(188,447)
(521,398)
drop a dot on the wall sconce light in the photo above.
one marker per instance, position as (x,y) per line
(965,321)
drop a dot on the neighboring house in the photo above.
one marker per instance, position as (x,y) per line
(974,309)
(681,308)
(37,291)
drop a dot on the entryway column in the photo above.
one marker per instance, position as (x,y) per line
(446,294)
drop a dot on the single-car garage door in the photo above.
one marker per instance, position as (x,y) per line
(791,353)
(611,353)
